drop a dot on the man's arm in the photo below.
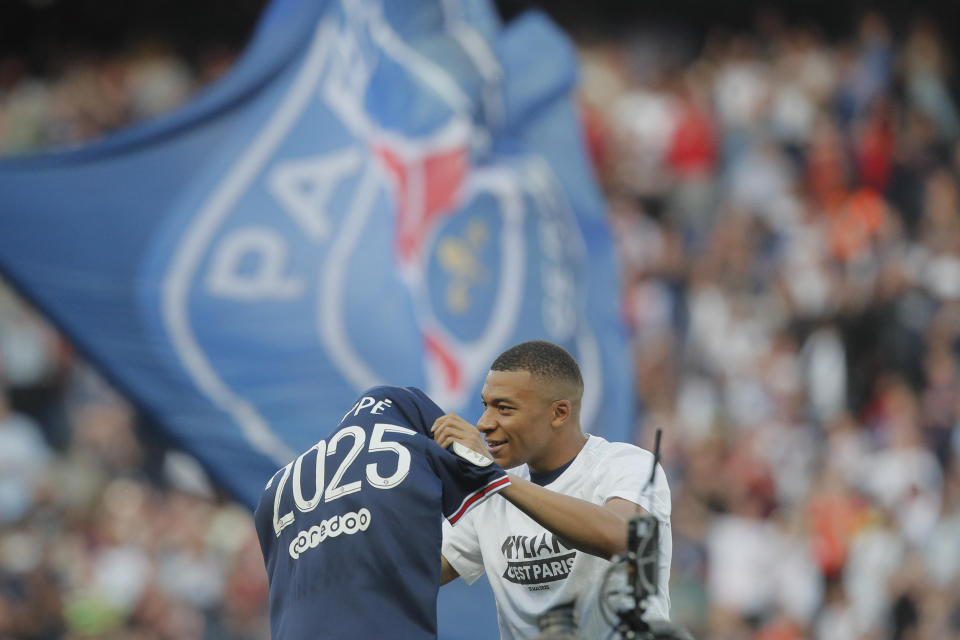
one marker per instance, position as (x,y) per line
(582,524)
(587,527)
(447,572)
(597,530)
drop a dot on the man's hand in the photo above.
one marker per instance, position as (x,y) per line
(452,428)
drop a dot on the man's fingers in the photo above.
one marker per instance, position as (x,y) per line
(443,432)
(449,438)
(440,429)
(446,440)
(447,434)
(450,420)
(452,428)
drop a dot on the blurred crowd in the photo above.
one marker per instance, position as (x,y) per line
(84,94)
(105,531)
(788,214)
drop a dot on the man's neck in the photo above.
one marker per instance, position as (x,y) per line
(561,453)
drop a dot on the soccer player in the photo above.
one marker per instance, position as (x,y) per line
(566,511)
(351,530)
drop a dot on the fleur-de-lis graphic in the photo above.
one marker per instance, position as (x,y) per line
(459,257)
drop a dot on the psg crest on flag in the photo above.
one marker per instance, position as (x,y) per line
(339,233)
(377,192)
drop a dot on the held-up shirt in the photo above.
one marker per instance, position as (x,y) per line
(351,529)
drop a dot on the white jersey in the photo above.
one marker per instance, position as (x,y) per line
(531,570)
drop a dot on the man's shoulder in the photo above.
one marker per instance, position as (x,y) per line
(620,469)
(600,448)
(609,462)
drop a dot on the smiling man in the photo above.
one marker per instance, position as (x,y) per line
(571,496)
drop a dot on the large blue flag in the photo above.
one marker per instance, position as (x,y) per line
(379,192)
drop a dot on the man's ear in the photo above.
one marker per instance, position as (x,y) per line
(561,412)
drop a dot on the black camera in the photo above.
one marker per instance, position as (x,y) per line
(625,608)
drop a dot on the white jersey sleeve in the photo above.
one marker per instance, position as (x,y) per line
(461,547)
(624,474)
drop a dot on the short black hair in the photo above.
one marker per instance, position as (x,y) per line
(541,358)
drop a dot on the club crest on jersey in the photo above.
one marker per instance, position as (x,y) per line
(471,456)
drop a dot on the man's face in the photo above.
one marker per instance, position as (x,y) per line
(516,420)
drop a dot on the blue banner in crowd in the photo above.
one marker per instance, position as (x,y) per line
(379,192)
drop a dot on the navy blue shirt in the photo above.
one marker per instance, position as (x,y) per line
(351,530)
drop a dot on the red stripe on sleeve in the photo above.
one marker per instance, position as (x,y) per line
(478,495)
